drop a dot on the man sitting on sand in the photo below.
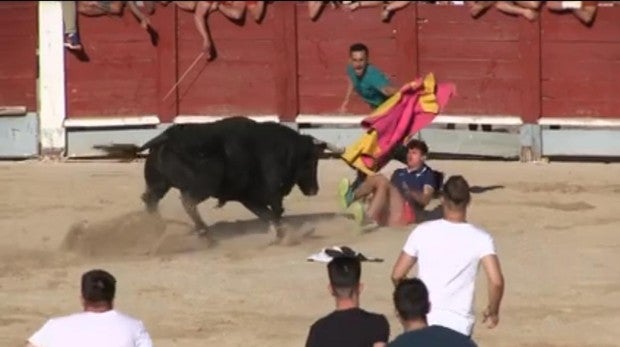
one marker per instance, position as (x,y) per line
(398,201)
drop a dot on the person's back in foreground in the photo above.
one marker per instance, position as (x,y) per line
(99,325)
(449,252)
(412,305)
(348,325)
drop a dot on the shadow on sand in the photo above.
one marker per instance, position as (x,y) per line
(297,223)
(139,234)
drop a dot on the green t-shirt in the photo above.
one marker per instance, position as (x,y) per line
(369,85)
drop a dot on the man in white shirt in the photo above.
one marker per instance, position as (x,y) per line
(99,325)
(448,252)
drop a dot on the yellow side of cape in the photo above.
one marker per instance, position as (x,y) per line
(368,145)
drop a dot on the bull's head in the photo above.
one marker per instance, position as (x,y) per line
(307,175)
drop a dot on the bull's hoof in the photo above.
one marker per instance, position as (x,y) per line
(205,236)
(202,232)
(277,230)
(277,241)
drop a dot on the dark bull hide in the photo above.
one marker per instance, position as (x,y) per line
(235,159)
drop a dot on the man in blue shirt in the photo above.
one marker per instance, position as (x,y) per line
(399,200)
(411,300)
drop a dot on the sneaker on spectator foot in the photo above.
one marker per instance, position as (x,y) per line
(364,222)
(72,41)
(357,210)
(345,193)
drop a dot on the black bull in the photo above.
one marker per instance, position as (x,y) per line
(235,159)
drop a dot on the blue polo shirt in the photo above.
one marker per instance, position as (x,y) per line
(414,180)
(369,85)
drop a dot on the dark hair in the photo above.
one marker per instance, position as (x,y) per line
(418,144)
(411,299)
(98,286)
(344,275)
(358,47)
(456,191)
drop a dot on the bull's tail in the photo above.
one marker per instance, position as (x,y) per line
(120,150)
(130,151)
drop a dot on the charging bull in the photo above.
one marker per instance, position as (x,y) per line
(234,159)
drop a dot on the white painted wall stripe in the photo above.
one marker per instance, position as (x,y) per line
(442,119)
(182,119)
(110,121)
(585,122)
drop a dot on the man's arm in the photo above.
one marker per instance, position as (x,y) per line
(144,20)
(343,107)
(495,284)
(28,344)
(424,197)
(389,90)
(143,338)
(403,265)
(312,340)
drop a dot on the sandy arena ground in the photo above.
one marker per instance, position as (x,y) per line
(556,229)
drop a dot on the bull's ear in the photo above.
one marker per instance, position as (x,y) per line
(318,142)
(319,145)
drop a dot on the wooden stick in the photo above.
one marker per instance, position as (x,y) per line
(184,74)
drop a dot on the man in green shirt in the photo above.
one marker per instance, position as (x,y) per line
(373,86)
(370,83)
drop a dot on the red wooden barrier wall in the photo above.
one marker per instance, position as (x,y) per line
(18,47)
(288,65)
(121,76)
(581,66)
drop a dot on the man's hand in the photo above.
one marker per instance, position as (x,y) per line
(495,283)
(491,319)
(423,198)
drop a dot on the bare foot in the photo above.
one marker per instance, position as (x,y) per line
(385,15)
(585,15)
(476,10)
(208,50)
(531,15)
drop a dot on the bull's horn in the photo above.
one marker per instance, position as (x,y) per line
(330,146)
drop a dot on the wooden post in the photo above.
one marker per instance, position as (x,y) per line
(531,88)
(285,44)
(406,36)
(530,51)
(166,23)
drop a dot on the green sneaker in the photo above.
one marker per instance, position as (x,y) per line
(345,193)
(359,215)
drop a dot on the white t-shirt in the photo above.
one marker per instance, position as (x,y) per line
(448,257)
(106,329)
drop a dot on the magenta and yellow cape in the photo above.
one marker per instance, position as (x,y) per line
(401,116)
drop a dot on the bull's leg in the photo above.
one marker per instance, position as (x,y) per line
(268,216)
(152,195)
(190,205)
(277,211)
(262,212)
(156,184)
